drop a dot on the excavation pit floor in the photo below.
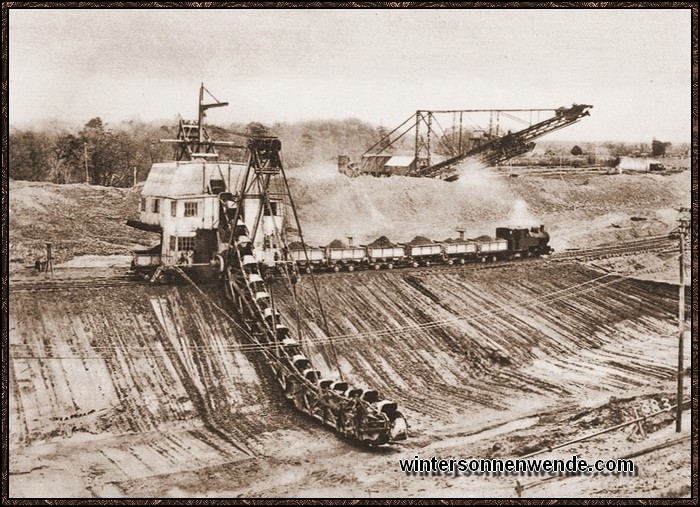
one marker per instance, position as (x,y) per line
(147,391)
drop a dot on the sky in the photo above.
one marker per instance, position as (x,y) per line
(632,65)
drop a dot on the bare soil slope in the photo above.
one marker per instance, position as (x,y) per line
(145,391)
(79,219)
(124,383)
(454,342)
(578,209)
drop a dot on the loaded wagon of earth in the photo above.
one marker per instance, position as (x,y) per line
(509,243)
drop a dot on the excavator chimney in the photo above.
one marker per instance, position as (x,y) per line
(343,161)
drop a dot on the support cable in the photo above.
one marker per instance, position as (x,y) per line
(313,279)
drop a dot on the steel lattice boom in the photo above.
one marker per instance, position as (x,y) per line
(491,146)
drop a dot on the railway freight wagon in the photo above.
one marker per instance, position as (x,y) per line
(387,256)
(423,254)
(348,257)
(460,252)
(492,250)
(312,259)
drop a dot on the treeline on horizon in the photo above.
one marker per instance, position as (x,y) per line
(121,155)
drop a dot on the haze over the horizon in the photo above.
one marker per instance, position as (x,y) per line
(632,65)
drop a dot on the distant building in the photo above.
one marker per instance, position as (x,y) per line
(374,165)
(401,165)
(636,164)
(396,165)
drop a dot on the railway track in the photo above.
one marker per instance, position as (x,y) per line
(76,283)
(654,244)
(652,449)
(647,245)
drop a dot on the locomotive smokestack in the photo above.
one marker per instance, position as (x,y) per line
(461,234)
(542,228)
(349,240)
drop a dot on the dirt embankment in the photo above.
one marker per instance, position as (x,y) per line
(145,391)
(461,341)
(124,383)
(579,210)
(79,219)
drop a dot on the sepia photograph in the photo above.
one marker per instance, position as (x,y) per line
(374,252)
